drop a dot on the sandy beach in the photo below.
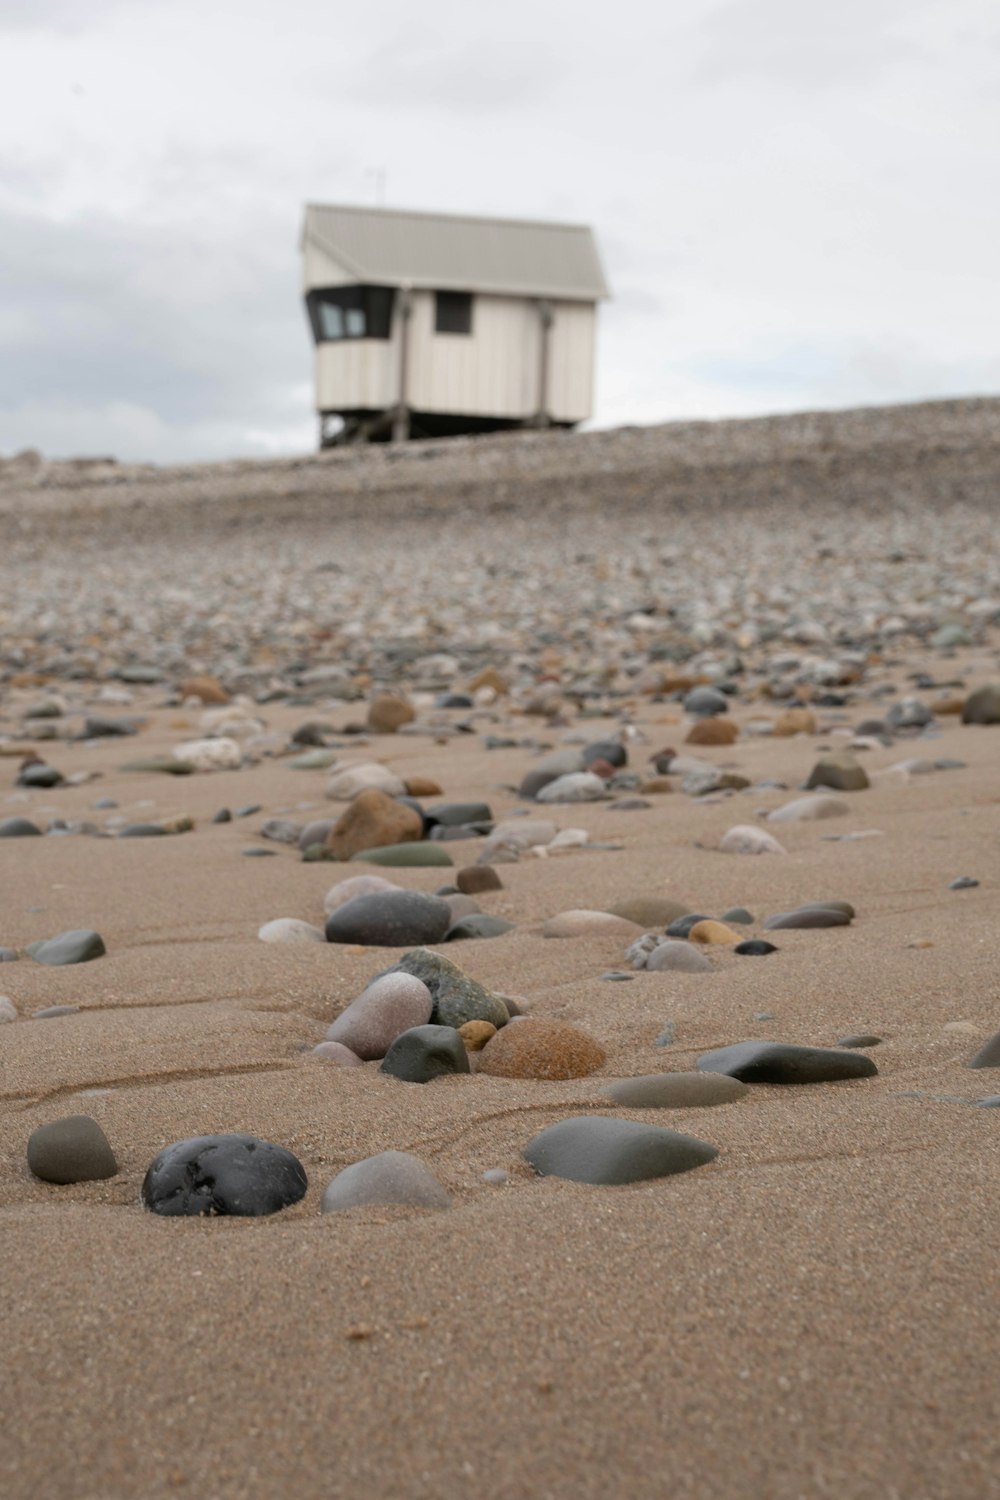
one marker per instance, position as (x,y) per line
(813,1313)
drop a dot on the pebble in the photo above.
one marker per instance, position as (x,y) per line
(336,1052)
(712,731)
(391,1177)
(680,956)
(604,1151)
(142,831)
(842,771)
(76,947)
(808,917)
(387,713)
(478,925)
(167,765)
(247,810)
(579,786)
(745,839)
(457,997)
(475,1034)
(474,879)
(582,923)
(290,930)
(738,914)
(19,828)
(809,809)
(755,948)
(785,1062)
(425,1053)
(8,1010)
(408,855)
(703,702)
(988,1055)
(355,885)
(391,1004)
(649,911)
(373,820)
(680,926)
(313,760)
(348,782)
(281,831)
(457,814)
(676,1090)
(712,932)
(208,690)
(861,1039)
(794,721)
(536,1048)
(40,775)
(223,1174)
(222,754)
(390,919)
(963,883)
(222,816)
(983,706)
(73,1149)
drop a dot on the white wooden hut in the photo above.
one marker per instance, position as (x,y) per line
(435,324)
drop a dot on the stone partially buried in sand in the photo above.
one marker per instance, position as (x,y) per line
(223,1174)
(577,786)
(785,1062)
(474,879)
(373,820)
(609,1152)
(841,771)
(350,780)
(676,1090)
(746,839)
(582,923)
(74,1149)
(290,930)
(716,933)
(536,1048)
(677,955)
(988,1055)
(387,713)
(808,809)
(983,706)
(480,924)
(390,919)
(815,916)
(457,998)
(391,1177)
(712,731)
(425,1053)
(390,1005)
(77,947)
(405,856)
(19,828)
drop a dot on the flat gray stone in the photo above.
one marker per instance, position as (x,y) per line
(478,925)
(426,1053)
(390,919)
(785,1062)
(391,1177)
(676,1090)
(605,1151)
(77,947)
(74,1149)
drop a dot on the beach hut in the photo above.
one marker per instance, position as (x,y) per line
(430,325)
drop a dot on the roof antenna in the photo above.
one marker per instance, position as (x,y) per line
(379,174)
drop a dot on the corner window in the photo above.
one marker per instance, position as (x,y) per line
(453,312)
(350,312)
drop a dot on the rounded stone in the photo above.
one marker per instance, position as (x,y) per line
(649,911)
(808,809)
(982,706)
(794,721)
(676,1090)
(577,786)
(316,832)
(74,1149)
(612,752)
(355,885)
(605,1151)
(208,690)
(745,839)
(457,998)
(373,820)
(347,782)
(223,1174)
(786,1063)
(478,925)
(582,923)
(8,1010)
(703,702)
(474,879)
(755,948)
(536,1048)
(841,771)
(19,828)
(77,947)
(475,1034)
(387,713)
(390,919)
(457,814)
(988,1055)
(336,1052)
(678,956)
(712,731)
(390,1005)
(391,1177)
(713,932)
(425,1053)
(290,930)
(737,914)
(681,926)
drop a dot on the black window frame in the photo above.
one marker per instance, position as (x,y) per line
(374,303)
(453,313)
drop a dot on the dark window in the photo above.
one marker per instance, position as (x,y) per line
(350,312)
(453,312)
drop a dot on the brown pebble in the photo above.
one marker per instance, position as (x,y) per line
(476,878)
(359,1331)
(475,1034)
(208,689)
(714,731)
(541,1049)
(422,786)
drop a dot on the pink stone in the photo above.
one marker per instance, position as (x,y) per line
(391,1004)
(336,1052)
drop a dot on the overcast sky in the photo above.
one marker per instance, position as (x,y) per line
(797,204)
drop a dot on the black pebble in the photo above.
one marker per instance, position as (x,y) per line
(223,1174)
(755,946)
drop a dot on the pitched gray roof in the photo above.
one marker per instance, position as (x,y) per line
(452,252)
